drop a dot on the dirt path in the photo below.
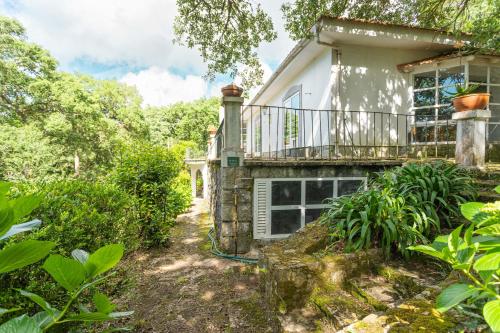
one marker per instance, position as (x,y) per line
(184,288)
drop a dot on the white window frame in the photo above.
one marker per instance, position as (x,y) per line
(292,111)
(302,206)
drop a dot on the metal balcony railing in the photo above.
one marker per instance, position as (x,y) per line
(274,133)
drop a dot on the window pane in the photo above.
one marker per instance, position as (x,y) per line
(286,193)
(444,112)
(451,76)
(318,191)
(423,98)
(478,73)
(447,133)
(481,89)
(494,132)
(495,94)
(285,221)
(446,94)
(495,113)
(424,134)
(346,187)
(495,75)
(425,80)
(313,214)
(425,114)
(295,101)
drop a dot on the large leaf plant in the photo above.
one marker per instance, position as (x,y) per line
(476,255)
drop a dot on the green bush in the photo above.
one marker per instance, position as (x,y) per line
(87,215)
(154,175)
(403,207)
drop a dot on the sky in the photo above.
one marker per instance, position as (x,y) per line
(131,41)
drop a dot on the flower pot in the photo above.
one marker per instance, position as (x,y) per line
(232,90)
(477,101)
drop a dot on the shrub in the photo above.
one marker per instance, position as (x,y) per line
(403,207)
(153,175)
(87,215)
(476,255)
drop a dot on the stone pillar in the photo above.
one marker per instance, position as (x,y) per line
(193,181)
(470,147)
(235,233)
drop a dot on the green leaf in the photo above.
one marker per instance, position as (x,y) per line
(453,295)
(23,254)
(6,220)
(102,303)
(4,188)
(4,311)
(104,259)
(89,316)
(80,255)
(121,314)
(488,262)
(429,250)
(492,230)
(491,313)
(20,324)
(22,206)
(43,319)
(40,301)
(497,189)
(454,240)
(69,273)
(470,209)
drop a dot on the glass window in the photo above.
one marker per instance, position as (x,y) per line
(424,133)
(495,94)
(451,76)
(424,98)
(446,133)
(286,193)
(319,190)
(478,73)
(313,214)
(444,112)
(285,221)
(346,187)
(494,75)
(495,113)
(425,114)
(425,80)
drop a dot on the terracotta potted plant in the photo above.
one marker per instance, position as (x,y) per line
(466,98)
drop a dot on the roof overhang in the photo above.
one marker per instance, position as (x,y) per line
(335,32)
(449,59)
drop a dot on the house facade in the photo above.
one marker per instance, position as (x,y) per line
(355,98)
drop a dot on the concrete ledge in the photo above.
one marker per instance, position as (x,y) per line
(293,163)
(472,114)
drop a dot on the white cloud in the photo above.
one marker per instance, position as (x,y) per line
(131,34)
(160,87)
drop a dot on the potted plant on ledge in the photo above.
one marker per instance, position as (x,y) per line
(465,98)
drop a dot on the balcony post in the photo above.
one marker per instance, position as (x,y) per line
(470,148)
(234,228)
(232,153)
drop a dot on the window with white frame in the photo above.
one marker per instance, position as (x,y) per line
(284,205)
(291,120)
(488,79)
(432,93)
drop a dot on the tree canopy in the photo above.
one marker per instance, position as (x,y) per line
(228,32)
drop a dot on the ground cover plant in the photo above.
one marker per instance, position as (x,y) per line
(402,207)
(475,254)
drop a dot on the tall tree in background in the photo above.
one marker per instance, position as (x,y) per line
(228,32)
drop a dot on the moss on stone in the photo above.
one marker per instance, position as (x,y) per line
(253,309)
(405,285)
(419,316)
(359,293)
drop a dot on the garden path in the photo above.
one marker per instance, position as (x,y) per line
(184,288)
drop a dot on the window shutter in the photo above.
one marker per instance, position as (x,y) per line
(261,208)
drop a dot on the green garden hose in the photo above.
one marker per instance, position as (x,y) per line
(215,250)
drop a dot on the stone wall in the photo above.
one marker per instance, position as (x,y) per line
(235,234)
(215,191)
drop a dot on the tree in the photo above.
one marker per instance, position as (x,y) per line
(26,71)
(183,121)
(227,32)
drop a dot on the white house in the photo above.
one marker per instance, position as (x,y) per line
(356,97)
(364,84)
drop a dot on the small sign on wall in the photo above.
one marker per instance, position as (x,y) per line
(233,161)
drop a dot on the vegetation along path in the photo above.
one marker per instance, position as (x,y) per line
(184,288)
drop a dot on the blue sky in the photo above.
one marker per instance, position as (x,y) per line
(131,41)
